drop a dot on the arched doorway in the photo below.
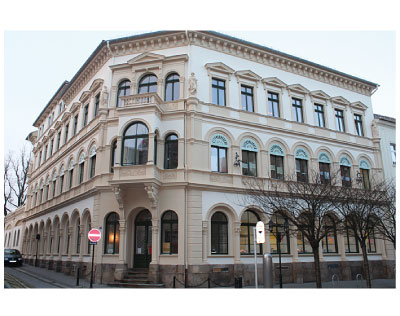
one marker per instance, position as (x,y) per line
(143,241)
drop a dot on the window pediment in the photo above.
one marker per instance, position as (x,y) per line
(276,150)
(247,75)
(358,106)
(146,58)
(75,106)
(219,67)
(301,153)
(273,81)
(319,94)
(345,161)
(364,164)
(85,96)
(96,84)
(57,125)
(340,101)
(220,141)
(298,88)
(51,132)
(324,157)
(249,145)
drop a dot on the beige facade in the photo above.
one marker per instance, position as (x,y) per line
(104,157)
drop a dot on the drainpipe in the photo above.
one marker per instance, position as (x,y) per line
(185,173)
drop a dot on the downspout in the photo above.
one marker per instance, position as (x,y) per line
(185,173)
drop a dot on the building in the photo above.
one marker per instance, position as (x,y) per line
(13,229)
(385,128)
(151,140)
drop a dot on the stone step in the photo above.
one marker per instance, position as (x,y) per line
(132,280)
(137,285)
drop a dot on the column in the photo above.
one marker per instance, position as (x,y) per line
(122,240)
(236,242)
(69,232)
(205,241)
(82,241)
(150,155)
(61,232)
(118,151)
(155,241)
(341,247)
(181,152)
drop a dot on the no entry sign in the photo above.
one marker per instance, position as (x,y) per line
(94,235)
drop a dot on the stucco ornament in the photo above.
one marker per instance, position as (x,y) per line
(192,85)
(105,96)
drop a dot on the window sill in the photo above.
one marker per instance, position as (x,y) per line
(169,255)
(220,256)
(110,255)
(330,254)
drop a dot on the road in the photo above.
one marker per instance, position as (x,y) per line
(19,277)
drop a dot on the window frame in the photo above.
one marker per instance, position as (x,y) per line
(247,94)
(272,102)
(147,85)
(113,157)
(392,147)
(170,223)
(249,233)
(347,246)
(173,82)
(322,173)
(319,115)
(358,121)
(339,119)
(96,105)
(85,115)
(218,88)
(296,107)
(325,241)
(135,137)
(275,169)
(115,224)
(219,224)
(169,161)
(218,148)
(301,176)
(122,87)
(248,172)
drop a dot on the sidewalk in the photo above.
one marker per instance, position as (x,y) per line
(61,280)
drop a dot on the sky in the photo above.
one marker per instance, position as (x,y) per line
(37,62)
(45,42)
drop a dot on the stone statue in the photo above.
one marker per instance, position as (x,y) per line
(374,129)
(192,85)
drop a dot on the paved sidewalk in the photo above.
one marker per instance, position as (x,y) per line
(61,280)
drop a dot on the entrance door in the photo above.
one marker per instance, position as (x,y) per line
(142,256)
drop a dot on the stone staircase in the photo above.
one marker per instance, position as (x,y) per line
(137,278)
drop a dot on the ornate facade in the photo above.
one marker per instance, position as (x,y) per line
(151,140)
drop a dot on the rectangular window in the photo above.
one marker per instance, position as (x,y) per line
(85,115)
(51,147)
(92,166)
(61,183)
(96,104)
(54,189)
(71,176)
(393,152)
(345,174)
(324,172)
(249,163)
(58,140)
(301,170)
(40,159)
(218,159)
(297,110)
(247,98)
(273,104)
(218,92)
(66,133)
(276,167)
(359,127)
(45,154)
(81,172)
(371,245)
(75,126)
(339,120)
(365,178)
(303,245)
(319,115)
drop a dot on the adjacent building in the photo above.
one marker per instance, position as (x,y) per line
(151,141)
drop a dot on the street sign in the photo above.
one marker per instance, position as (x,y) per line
(94,235)
(260,232)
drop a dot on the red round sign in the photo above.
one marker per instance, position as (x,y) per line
(94,235)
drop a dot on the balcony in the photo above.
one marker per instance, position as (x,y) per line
(141,99)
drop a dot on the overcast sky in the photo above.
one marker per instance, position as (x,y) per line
(36,63)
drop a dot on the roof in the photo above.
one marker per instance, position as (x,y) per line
(67,84)
(385,118)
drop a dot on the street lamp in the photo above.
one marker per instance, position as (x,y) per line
(279,231)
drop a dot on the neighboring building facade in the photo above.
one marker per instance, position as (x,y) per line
(151,141)
(385,128)
(13,229)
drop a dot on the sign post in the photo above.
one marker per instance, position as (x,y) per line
(94,236)
(259,236)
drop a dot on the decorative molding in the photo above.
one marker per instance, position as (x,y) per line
(345,161)
(301,153)
(219,68)
(75,106)
(276,150)
(340,100)
(358,106)
(247,75)
(92,151)
(129,171)
(170,175)
(274,81)
(319,94)
(219,140)
(97,83)
(364,164)
(84,96)
(220,178)
(324,157)
(298,88)
(152,193)
(249,145)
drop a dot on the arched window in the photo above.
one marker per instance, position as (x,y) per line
(345,167)
(370,242)
(61,179)
(171,152)
(135,143)
(276,155)
(155,149)
(364,171)
(329,242)
(350,241)
(324,168)
(92,155)
(148,84)
(249,220)
(169,233)
(219,233)
(71,174)
(279,223)
(111,243)
(113,155)
(123,90)
(172,87)
(249,158)
(219,149)
(301,157)
(81,167)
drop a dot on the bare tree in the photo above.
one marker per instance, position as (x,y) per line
(15,180)
(387,214)
(306,202)
(358,208)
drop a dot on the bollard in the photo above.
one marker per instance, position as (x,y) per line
(335,280)
(174,281)
(77,277)
(240,282)
(209,283)
(267,271)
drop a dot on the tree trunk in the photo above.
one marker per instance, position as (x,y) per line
(366,265)
(317,267)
